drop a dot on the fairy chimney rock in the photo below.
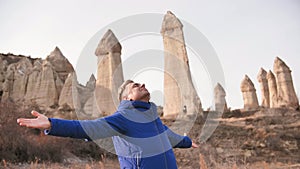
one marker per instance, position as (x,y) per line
(90,106)
(108,44)
(109,72)
(47,94)
(33,82)
(8,83)
(272,89)
(264,88)
(285,89)
(69,95)
(220,101)
(249,94)
(91,83)
(60,64)
(170,23)
(22,68)
(180,96)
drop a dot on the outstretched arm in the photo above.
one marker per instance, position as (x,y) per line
(81,129)
(56,127)
(179,141)
(41,121)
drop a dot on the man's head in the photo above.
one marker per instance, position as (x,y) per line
(130,90)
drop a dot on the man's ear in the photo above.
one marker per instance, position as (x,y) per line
(126,98)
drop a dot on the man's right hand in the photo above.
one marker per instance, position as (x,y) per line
(41,121)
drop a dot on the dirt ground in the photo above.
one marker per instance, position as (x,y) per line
(266,139)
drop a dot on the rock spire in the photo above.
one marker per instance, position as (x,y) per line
(109,72)
(180,95)
(264,88)
(285,89)
(272,85)
(220,101)
(249,94)
(60,64)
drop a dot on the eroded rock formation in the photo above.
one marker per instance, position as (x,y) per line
(272,89)
(34,81)
(180,95)
(69,94)
(264,88)
(60,64)
(220,101)
(285,89)
(89,103)
(109,73)
(47,95)
(8,83)
(249,94)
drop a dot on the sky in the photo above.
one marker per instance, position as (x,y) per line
(245,35)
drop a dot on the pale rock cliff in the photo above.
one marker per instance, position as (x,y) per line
(285,89)
(109,73)
(249,94)
(272,89)
(220,101)
(264,88)
(180,96)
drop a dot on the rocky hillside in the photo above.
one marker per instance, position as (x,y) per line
(268,137)
(49,83)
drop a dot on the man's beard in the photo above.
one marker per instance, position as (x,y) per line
(146,96)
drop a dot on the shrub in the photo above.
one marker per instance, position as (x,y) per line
(20,144)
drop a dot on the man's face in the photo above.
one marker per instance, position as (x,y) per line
(137,91)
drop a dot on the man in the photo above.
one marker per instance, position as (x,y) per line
(140,139)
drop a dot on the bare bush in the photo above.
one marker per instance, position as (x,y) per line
(20,144)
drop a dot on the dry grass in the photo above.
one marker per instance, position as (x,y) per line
(202,162)
(256,165)
(77,165)
(113,164)
(23,145)
(18,150)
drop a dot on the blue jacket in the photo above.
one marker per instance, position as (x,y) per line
(140,139)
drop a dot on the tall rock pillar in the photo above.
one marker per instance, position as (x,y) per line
(69,94)
(47,93)
(264,88)
(8,83)
(249,94)
(220,102)
(272,89)
(180,95)
(109,73)
(286,93)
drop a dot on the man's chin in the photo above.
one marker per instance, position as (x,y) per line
(146,97)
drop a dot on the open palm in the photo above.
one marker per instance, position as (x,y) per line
(41,121)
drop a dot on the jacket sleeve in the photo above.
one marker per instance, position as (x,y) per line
(176,140)
(85,129)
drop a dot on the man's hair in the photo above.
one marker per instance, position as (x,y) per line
(121,89)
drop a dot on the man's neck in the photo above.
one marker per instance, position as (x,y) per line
(147,101)
(142,100)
